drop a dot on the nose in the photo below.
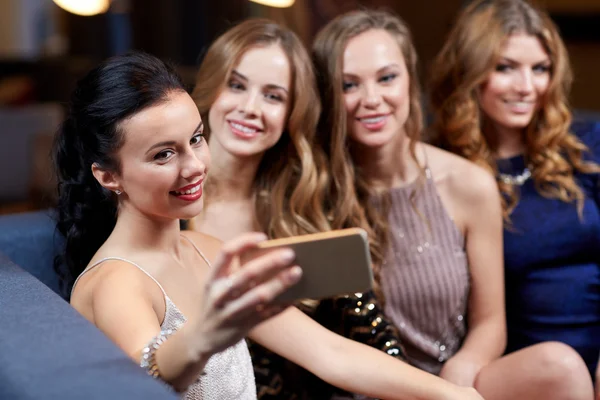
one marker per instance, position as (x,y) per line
(193,165)
(249,105)
(372,97)
(524,84)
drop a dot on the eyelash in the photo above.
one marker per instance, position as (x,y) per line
(165,154)
(536,68)
(237,86)
(384,79)
(274,97)
(347,86)
(388,78)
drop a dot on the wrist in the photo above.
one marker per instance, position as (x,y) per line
(197,345)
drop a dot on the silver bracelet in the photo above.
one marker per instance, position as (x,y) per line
(148,361)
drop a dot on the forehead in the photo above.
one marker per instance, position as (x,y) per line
(370,51)
(523,48)
(266,65)
(171,119)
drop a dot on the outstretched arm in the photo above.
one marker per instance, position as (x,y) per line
(350,365)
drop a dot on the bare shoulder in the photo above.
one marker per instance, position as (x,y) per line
(114,281)
(463,178)
(209,245)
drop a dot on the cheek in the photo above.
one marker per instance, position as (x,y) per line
(222,105)
(277,118)
(351,103)
(497,85)
(203,154)
(399,95)
(541,84)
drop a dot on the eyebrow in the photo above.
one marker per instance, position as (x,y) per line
(392,65)
(200,127)
(268,86)
(510,60)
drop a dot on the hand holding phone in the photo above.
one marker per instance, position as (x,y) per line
(333,263)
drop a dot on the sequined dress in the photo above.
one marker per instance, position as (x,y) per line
(425,278)
(227,375)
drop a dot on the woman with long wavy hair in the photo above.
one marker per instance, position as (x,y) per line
(499,91)
(257,92)
(438,215)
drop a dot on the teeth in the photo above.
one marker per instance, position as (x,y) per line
(519,103)
(243,128)
(190,191)
(373,120)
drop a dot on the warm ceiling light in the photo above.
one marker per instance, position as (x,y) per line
(275,3)
(84,7)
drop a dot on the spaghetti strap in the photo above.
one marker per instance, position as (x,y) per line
(428,174)
(197,249)
(97,263)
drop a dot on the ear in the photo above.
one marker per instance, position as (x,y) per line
(107,179)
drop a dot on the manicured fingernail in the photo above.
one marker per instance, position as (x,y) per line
(261,236)
(295,273)
(287,255)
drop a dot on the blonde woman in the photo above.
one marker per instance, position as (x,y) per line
(500,98)
(440,215)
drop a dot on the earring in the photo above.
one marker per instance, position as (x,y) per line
(118,192)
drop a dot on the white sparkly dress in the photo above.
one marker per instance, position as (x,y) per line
(227,375)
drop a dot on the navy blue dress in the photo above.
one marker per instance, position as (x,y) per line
(552,263)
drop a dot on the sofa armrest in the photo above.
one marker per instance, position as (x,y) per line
(49,351)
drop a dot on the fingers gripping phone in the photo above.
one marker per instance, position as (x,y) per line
(333,263)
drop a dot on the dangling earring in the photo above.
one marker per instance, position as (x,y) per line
(118,192)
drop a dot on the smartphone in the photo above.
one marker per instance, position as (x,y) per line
(333,263)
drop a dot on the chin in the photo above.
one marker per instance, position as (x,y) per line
(373,140)
(520,122)
(191,211)
(245,149)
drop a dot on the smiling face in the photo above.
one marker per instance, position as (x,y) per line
(376,88)
(515,89)
(249,115)
(164,160)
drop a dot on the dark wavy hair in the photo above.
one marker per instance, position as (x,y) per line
(109,94)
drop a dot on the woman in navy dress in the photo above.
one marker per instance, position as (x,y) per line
(499,92)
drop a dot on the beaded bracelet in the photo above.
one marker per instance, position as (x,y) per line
(148,361)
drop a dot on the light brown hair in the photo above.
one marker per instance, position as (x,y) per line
(351,196)
(465,62)
(291,177)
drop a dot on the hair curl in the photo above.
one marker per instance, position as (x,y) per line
(465,62)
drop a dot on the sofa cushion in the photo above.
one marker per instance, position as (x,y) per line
(49,351)
(31,241)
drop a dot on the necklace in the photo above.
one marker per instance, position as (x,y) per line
(517,180)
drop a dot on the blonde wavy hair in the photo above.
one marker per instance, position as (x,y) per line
(351,193)
(466,60)
(291,178)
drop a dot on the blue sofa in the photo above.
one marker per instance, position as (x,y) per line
(47,350)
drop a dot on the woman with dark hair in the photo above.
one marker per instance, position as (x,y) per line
(132,161)
(499,91)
